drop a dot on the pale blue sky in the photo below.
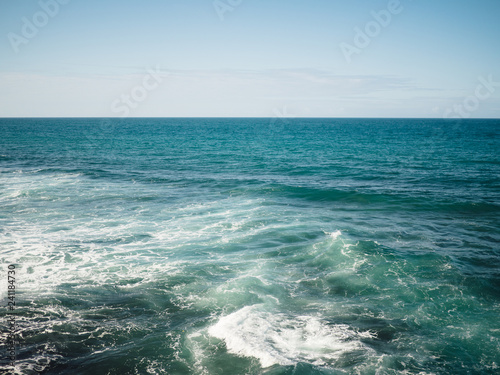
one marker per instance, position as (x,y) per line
(253,58)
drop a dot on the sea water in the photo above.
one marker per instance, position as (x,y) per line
(250,246)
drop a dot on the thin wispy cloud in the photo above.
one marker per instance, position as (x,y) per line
(216,91)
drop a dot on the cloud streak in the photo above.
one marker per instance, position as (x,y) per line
(213,93)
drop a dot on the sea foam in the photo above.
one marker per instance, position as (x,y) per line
(278,338)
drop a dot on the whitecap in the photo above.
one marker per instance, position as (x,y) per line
(278,338)
(334,235)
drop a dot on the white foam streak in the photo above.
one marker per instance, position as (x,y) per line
(335,234)
(276,338)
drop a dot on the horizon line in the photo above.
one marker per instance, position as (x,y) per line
(245,117)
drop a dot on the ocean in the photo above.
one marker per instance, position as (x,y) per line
(249,246)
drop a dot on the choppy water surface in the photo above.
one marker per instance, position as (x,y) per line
(252,246)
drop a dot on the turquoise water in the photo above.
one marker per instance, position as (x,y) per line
(251,246)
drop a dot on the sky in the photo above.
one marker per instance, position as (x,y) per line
(250,58)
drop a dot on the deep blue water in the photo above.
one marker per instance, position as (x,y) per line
(251,246)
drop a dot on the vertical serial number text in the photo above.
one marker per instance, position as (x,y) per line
(11,317)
